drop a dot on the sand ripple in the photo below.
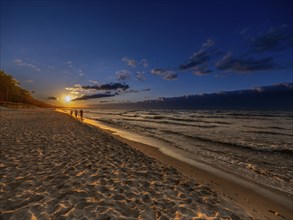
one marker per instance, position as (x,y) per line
(54,167)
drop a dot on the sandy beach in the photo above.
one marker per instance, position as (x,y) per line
(56,167)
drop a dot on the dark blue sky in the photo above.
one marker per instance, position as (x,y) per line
(99,51)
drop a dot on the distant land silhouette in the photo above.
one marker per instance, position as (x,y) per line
(274,97)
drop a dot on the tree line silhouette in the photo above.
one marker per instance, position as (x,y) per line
(12,93)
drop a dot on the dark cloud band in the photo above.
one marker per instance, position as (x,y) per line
(94,96)
(110,86)
(166,74)
(198,58)
(53,98)
(228,63)
(275,39)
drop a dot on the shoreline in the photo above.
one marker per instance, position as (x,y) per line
(250,200)
(271,203)
(54,166)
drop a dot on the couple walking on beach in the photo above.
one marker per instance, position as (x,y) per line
(76,112)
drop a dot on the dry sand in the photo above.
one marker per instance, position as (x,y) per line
(55,167)
(260,204)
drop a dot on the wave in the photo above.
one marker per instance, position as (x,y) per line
(272,127)
(279,128)
(169,119)
(270,133)
(172,123)
(155,122)
(259,114)
(234,145)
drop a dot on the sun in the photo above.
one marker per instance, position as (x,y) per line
(67,98)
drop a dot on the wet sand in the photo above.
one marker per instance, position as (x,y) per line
(56,167)
(261,204)
(259,201)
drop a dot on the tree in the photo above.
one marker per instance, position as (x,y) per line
(11,91)
(6,84)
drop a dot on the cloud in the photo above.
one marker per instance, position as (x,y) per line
(89,91)
(110,86)
(20,62)
(53,98)
(144,62)
(209,43)
(275,88)
(129,62)
(81,73)
(202,71)
(198,58)
(94,82)
(133,63)
(276,97)
(203,62)
(273,40)
(129,91)
(140,76)
(76,89)
(244,65)
(157,71)
(166,74)
(201,57)
(133,91)
(122,75)
(170,75)
(94,96)
(69,64)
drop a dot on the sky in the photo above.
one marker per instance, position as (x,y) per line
(127,51)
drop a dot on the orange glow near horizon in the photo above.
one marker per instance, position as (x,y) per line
(66,101)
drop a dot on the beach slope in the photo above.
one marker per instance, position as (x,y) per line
(54,166)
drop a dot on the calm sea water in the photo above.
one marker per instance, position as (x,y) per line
(255,145)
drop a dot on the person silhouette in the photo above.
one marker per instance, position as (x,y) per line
(75,113)
(81,113)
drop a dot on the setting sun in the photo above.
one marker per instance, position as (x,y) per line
(67,98)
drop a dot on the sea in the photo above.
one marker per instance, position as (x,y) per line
(255,145)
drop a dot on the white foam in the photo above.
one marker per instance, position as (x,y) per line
(173,152)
